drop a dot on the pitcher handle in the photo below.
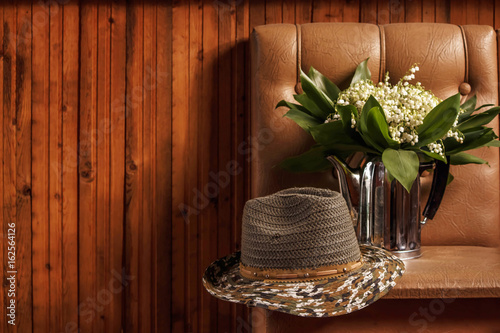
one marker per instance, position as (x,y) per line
(439,181)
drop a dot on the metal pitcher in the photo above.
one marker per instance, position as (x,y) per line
(384,213)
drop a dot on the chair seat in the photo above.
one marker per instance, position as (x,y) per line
(451,272)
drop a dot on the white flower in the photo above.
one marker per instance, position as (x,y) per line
(405,106)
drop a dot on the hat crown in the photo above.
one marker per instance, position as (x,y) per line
(298,228)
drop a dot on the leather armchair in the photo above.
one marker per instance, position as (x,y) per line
(456,282)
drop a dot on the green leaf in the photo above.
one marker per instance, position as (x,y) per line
(324,84)
(493,143)
(439,121)
(479,119)
(328,133)
(473,139)
(450,179)
(464,158)
(331,133)
(346,112)
(362,72)
(484,106)
(470,104)
(390,177)
(324,103)
(302,119)
(309,104)
(293,106)
(433,155)
(337,148)
(378,130)
(312,160)
(403,165)
(371,102)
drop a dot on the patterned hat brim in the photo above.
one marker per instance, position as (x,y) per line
(328,297)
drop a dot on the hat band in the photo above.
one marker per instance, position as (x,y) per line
(323,272)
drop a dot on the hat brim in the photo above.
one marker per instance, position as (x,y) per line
(328,297)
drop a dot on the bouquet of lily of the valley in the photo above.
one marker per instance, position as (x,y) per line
(404,123)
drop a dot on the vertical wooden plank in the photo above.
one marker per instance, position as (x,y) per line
(288,12)
(240,115)
(180,130)
(149,174)
(102,137)
(87,227)
(70,73)
(274,12)
(23,168)
(195,110)
(134,161)
(458,12)
(383,12)
(472,11)
(163,241)
(117,163)
(40,170)
(208,148)
(303,11)
(413,9)
(9,146)
(351,11)
(55,173)
(397,11)
(257,13)
(486,12)
(369,12)
(428,11)
(321,11)
(3,221)
(497,14)
(442,11)
(336,10)
(226,43)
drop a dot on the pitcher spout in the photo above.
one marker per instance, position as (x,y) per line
(349,183)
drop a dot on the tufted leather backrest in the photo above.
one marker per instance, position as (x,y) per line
(451,59)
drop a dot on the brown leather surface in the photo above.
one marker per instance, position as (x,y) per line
(461,258)
(451,271)
(469,212)
(329,48)
(274,75)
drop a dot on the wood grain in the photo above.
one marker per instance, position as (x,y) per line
(23,116)
(54,166)
(117,116)
(70,110)
(87,168)
(120,123)
(134,163)
(102,139)
(10,136)
(162,251)
(41,168)
(181,216)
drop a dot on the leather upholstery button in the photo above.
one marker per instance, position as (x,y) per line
(464,88)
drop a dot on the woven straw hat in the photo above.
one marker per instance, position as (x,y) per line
(300,255)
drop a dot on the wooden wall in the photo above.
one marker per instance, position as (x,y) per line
(125,154)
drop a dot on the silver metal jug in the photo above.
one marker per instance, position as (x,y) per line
(383,212)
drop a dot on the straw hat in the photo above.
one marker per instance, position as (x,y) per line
(300,255)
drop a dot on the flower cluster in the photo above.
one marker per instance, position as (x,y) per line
(405,106)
